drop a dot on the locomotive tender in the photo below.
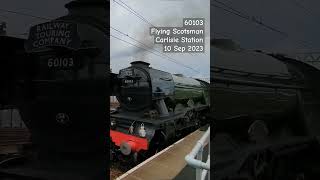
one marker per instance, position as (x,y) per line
(155,108)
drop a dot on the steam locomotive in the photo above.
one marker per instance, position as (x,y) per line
(156,107)
(262,87)
(265,108)
(63,86)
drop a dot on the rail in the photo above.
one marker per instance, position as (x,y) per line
(194,158)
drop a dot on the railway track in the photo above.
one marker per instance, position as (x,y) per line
(117,169)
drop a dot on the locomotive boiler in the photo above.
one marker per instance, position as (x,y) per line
(252,86)
(156,107)
(62,94)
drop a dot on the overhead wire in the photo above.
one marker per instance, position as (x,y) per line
(301,6)
(123,5)
(138,14)
(246,16)
(162,54)
(25,14)
(147,49)
(134,12)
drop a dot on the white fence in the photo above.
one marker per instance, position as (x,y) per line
(194,158)
(10,118)
(113,99)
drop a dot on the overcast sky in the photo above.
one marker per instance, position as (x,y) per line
(20,24)
(298,18)
(158,13)
(301,24)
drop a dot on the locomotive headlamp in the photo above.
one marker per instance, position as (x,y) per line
(62,118)
(131,128)
(113,123)
(142,131)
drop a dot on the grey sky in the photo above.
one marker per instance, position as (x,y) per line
(19,24)
(284,15)
(159,13)
(301,24)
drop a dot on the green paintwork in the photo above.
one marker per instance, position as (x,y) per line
(189,88)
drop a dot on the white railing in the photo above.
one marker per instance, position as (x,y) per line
(194,158)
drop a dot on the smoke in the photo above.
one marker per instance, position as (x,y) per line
(173,17)
(160,13)
(126,53)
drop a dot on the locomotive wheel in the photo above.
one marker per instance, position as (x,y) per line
(179,108)
(135,158)
(158,144)
(189,116)
(260,166)
(190,103)
(140,157)
(300,176)
(258,131)
(264,166)
(111,155)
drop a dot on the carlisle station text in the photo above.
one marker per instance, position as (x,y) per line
(178,40)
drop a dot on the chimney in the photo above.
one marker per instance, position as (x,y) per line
(179,75)
(94,8)
(140,64)
(225,44)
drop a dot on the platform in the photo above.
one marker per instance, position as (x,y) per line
(167,164)
(12,138)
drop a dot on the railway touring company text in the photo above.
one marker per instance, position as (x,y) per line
(54,33)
